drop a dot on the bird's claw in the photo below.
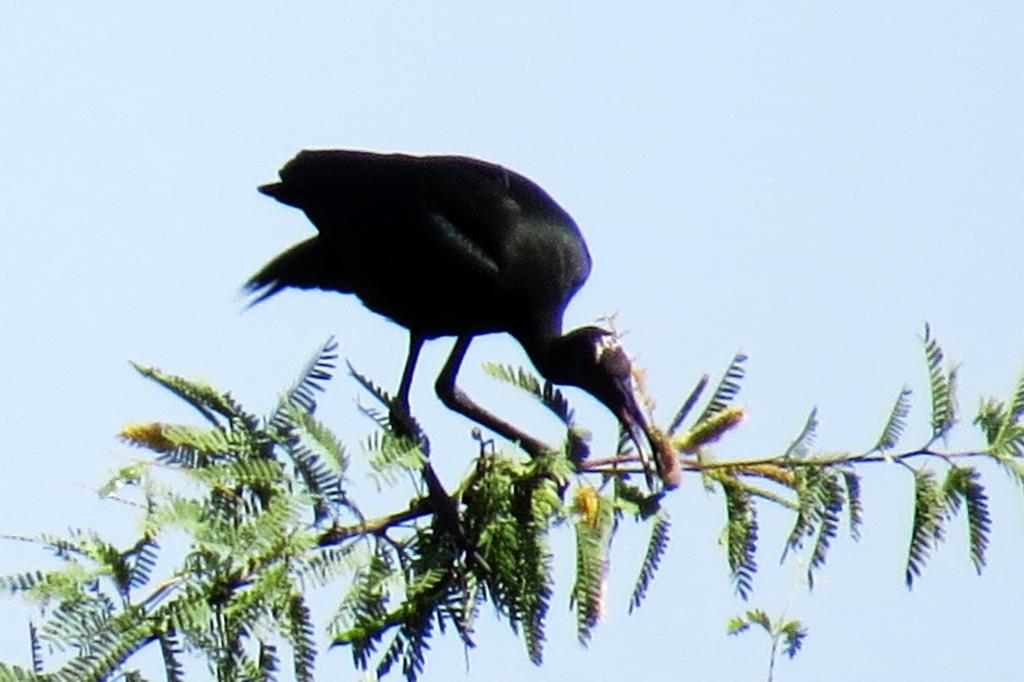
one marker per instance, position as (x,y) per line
(405,426)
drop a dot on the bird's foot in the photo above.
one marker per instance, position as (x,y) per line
(445,506)
(405,425)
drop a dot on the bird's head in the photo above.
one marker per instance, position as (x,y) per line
(592,359)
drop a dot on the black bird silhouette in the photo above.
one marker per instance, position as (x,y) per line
(454,246)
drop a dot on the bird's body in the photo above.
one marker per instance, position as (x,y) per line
(442,245)
(453,246)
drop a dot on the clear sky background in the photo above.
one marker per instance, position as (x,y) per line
(809,182)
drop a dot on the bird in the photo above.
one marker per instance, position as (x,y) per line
(448,245)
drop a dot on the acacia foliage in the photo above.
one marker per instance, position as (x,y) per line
(267,506)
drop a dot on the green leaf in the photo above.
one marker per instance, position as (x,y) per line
(13,673)
(943,387)
(688,405)
(213,405)
(302,636)
(793,636)
(962,488)
(312,378)
(760,617)
(171,651)
(36,647)
(926,531)
(727,388)
(829,503)
(588,592)
(856,508)
(801,445)
(1017,401)
(740,535)
(393,457)
(652,558)
(548,395)
(896,422)
(736,625)
(820,500)
(1001,424)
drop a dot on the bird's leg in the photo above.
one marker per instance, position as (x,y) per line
(400,415)
(415,344)
(404,425)
(453,397)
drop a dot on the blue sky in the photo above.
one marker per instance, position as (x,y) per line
(809,182)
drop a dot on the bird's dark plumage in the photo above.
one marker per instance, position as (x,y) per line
(449,246)
(443,245)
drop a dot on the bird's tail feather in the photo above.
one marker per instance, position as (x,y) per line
(302,266)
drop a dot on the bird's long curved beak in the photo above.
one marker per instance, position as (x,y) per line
(666,463)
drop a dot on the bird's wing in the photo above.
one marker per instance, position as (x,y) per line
(495,215)
(461,245)
(454,212)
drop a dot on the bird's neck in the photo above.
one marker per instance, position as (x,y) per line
(543,350)
(539,338)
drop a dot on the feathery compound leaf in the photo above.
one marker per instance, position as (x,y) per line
(803,523)
(302,637)
(426,597)
(325,443)
(204,398)
(171,651)
(688,405)
(556,402)
(373,389)
(1001,424)
(727,388)
(740,624)
(979,522)
(993,418)
(856,509)
(393,457)
(896,423)
(24,582)
(509,510)
(189,613)
(655,549)
(142,558)
(829,504)
(516,376)
(740,535)
(793,635)
(37,648)
(301,396)
(760,617)
(592,532)
(314,375)
(962,487)
(736,625)
(1005,437)
(535,560)
(13,673)
(319,459)
(1017,400)
(105,559)
(268,661)
(926,531)
(365,606)
(943,387)
(108,642)
(801,445)
(545,392)
(189,447)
